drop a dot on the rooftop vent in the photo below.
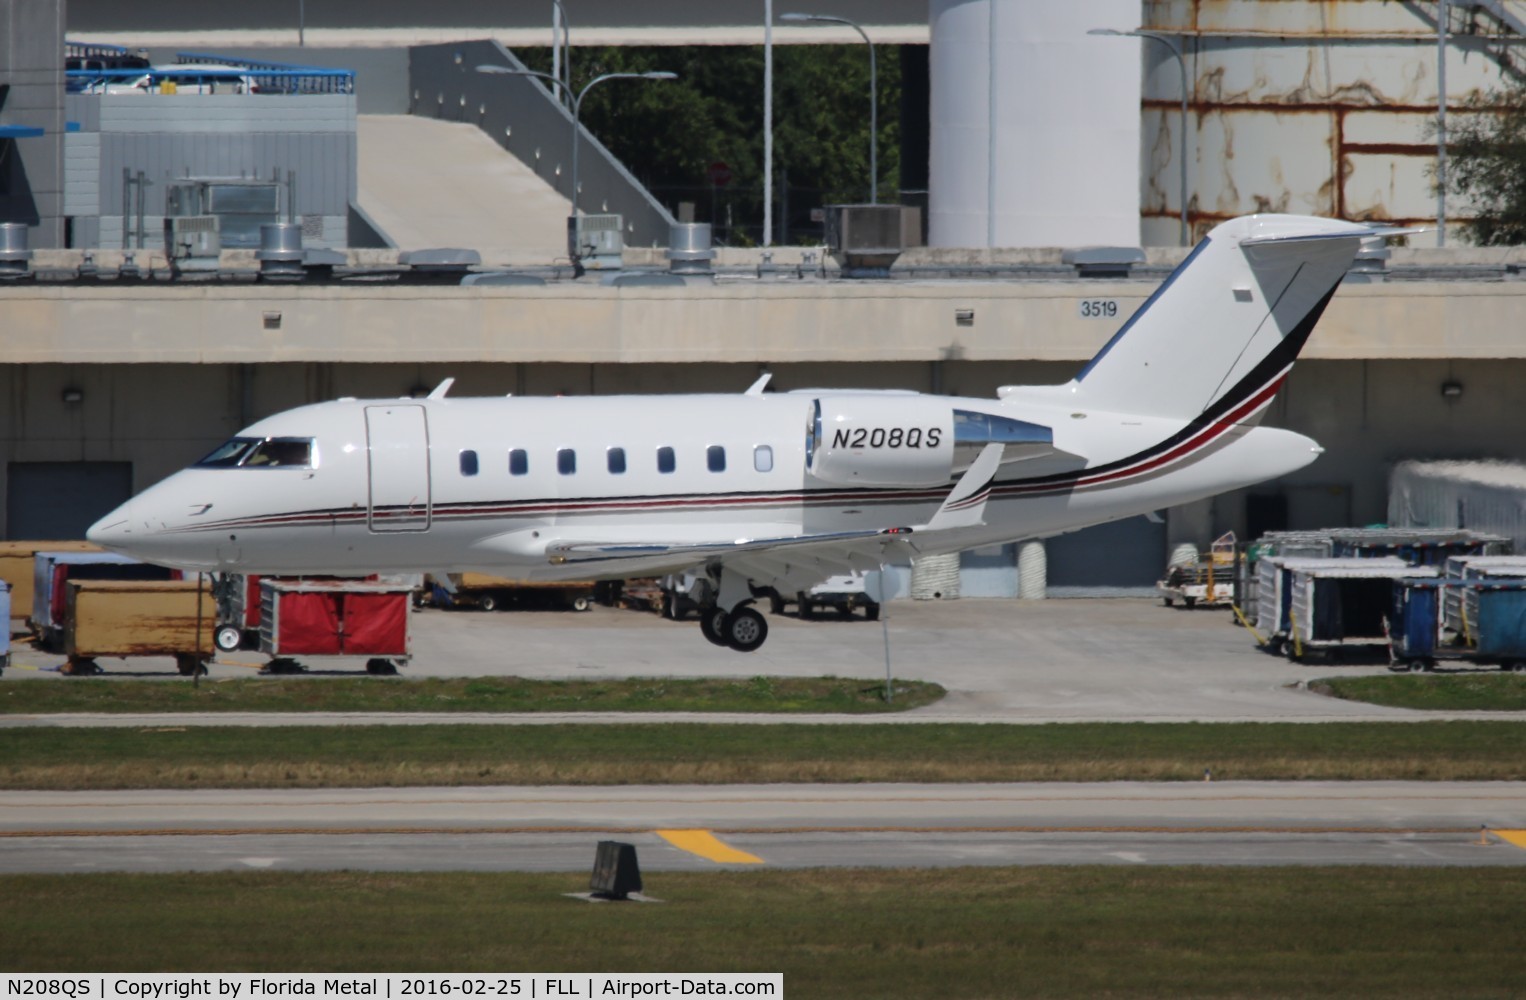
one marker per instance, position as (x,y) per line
(1103,262)
(865,239)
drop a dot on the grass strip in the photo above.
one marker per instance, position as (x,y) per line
(471,694)
(370,756)
(955,932)
(1462,692)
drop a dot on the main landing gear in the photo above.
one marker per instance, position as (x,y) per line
(742,629)
(731,620)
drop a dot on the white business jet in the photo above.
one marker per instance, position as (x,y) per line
(778,490)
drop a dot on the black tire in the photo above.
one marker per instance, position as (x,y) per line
(872,612)
(381,667)
(746,629)
(228,638)
(1419,665)
(488,602)
(1509,666)
(712,625)
(802,606)
(776,604)
(1168,601)
(581,603)
(1189,602)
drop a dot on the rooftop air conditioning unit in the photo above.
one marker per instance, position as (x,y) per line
(600,237)
(865,239)
(192,238)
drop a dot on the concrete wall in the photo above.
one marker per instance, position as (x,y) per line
(31,94)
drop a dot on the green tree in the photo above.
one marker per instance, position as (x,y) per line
(1486,166)
(668,134)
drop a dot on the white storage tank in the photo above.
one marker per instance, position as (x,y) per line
(1035,124)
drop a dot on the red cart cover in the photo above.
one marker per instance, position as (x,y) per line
(309,623)
(376,624)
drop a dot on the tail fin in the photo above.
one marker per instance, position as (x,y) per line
(1222,331)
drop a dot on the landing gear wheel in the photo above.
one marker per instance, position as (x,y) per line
(712,625)
(488,602)
(228,638)
(381,666)
(745,629)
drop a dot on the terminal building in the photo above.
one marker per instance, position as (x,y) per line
(305,211)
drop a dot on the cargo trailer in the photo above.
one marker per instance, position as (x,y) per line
(303,620)
(130,618)
(51,572)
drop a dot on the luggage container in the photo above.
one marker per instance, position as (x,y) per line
(1340,605)
(51,572)
(1416,546)
(303,620)
(122,618)
(1479,620)
(17,566)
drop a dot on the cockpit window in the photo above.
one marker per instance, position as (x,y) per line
(229,453)
(287,453)
(269,453)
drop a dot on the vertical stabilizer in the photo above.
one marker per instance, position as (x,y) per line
(1221,332)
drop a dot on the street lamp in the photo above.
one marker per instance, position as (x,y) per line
(874,101)
(577,107)
(1169,42)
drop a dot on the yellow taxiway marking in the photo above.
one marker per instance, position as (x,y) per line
(1516,837)
(708,846)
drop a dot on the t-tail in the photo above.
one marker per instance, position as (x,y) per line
(1217,338)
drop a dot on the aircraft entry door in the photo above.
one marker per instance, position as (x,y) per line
(397,460)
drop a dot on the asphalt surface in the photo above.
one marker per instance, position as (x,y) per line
(685,828)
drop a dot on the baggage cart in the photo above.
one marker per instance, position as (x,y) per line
(51,572)
(1340,605)
(123,618)
(1478,620)
(304,620)
(492,593)
(1209,582)
(17,566)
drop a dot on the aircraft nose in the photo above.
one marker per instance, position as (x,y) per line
(115,530)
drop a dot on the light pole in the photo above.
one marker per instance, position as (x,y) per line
(874,94)
(573,250)
(1169,42)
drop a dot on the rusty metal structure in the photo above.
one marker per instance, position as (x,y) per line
(1324,107)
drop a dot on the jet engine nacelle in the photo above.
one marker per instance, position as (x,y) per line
(882,440)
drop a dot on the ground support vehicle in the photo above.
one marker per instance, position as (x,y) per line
(1481,620)
(123,618)
(17,568)
(52,571)
(492,593)
(304,620)
(1337,606)
(845,594)
(1209,582)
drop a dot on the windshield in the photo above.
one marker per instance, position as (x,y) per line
(268,453)
(229,453)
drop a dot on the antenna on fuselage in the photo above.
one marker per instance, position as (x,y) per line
(441,389)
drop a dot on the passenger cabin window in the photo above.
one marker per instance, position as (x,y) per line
(269,453)
(665,462)
(763,458)
(616,460)
(566,461)
(715,458)
(519,462)
(468,463)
